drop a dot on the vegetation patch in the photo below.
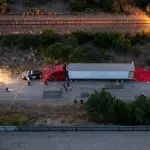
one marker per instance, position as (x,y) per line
(117,6)
(113,6)
(16,119)
(43,114)
(79,46)
(102,107)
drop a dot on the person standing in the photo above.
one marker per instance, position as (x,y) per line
(28,78)
(70,88)
(64,85)
(45,82)
(68,84)
(29,84)
(66,89)
(7,89)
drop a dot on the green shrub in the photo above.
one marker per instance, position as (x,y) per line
(77,5)
(105,40)
(137,50)
(48,37)
(141,3)
(79,46)
(102,107)
(9,40)
(141,111)
(16,120)
(28,3)
(22,41)
(122,43)
(83,37)
(28,41)
(106,5)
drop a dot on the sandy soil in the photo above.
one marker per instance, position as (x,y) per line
(45,114)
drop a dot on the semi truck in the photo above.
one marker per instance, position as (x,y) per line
(90,71)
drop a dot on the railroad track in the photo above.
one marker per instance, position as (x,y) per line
(25,25)
(72,22)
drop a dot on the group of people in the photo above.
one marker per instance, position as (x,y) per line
(29,83)
(67,86)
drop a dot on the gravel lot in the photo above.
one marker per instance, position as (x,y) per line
(75,141)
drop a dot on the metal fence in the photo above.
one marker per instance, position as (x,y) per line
(73,128)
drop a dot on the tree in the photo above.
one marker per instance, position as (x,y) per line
(137,50)
(48,37)
(28,3)
(27,41)
(78,5)
(9,40)
(83,37)
(54,52)
(106,5)
(121,112)
(141,110)
(100,107)
(123,43)
(4,6)
(148,8)
(115,6)
(72,40)
(141,3)
(122,4)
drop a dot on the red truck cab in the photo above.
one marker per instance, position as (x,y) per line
(56,73)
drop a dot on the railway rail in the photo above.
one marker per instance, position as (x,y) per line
(71,22)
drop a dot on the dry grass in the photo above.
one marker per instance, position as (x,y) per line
(43,114)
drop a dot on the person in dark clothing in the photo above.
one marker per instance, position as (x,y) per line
(75,101)
(68,84)
(45,82)
(64,85)
(7,90)
(81,101)
(29,84)
(70,88)
(66,89)
(28,79)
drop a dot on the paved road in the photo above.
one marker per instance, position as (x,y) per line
(75,141)
(38,92)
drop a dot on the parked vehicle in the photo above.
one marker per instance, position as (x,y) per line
(90,71)
(31,75)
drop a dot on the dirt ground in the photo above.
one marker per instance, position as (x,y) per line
(13,58)
(18,60)
(43,114)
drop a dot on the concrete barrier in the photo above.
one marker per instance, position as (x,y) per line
(8,128)
(141,128)
(73,128)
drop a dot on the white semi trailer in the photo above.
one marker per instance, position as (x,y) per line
(105,71)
